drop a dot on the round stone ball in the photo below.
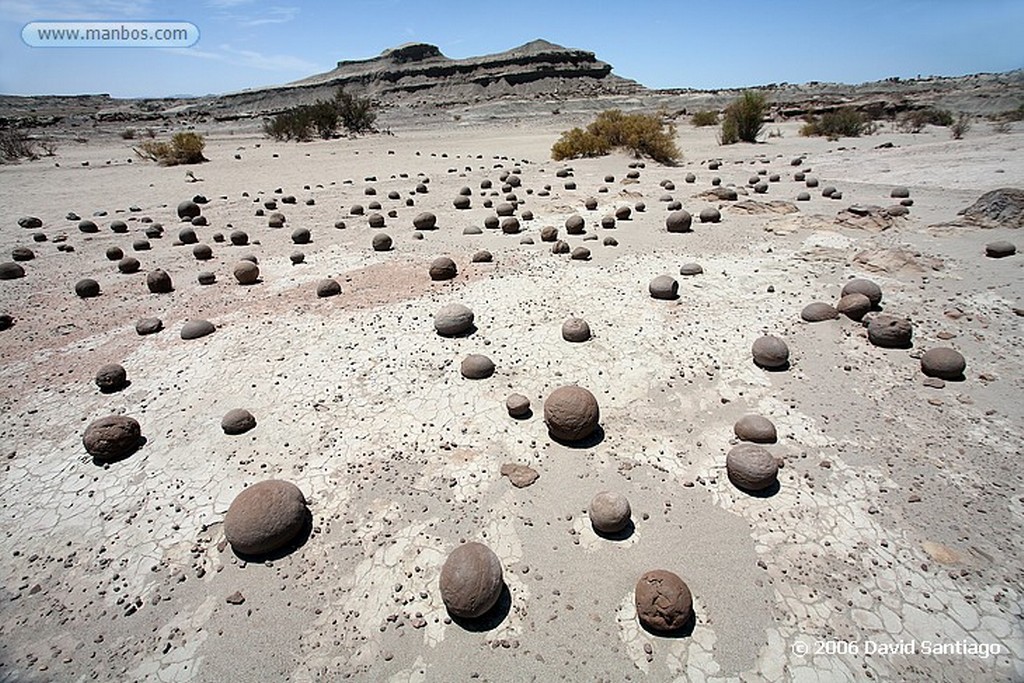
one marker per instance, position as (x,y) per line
(111,377)
(187,236)
(803,197)
(462,202)
(663,601)
(854,306)
(574,224)
(112,438)
(770,352)
(382,242)
(755,428)
(301,236)
(237,421)
(517,405)
(890,332)
(510,225)
(571,413)
(188,209)
(679,221)
(246,272)
(159,282)
(664,287)
(425,221)
(202,252)
(120,227)
(482,256)
(114,253)
(944,363)
(296,257)
(443,268)
(710,215)
(147,326)
(129,265)
(471,581)
(690,269)
(900,192)
(575,330)
(6,321)
(609,512)
(239,238)
(477,366)
(194,329)
(863,286)
(88,226)
(87,288)
(375,220)
(265,517)
(580,254)
(1000,249)
(751,468)
(207,278)
(327,287)
(548,233)
(453,319)
(818,311)
(11,271)
(623,213)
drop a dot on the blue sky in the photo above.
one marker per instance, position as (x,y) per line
(660,43)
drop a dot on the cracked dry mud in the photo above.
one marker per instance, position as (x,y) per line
(899,508)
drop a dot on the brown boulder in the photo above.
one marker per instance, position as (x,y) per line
(112,438)
(663,601)
(471,581)
(265,517)
(571,413)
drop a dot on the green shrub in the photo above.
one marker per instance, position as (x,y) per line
(128,134)
(322,118)
(744,118)
(184,148)
(644,135)
(704,118)
(915,121)
(845,122)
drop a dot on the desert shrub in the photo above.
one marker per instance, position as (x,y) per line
(128,134)
(150,133)
(1013,114)
(49,146)
(960,126)
(15,144)
(744,118)
(845,122)
(915,121)
(644,135)
(322,118)
(704,118)
(184,148)
(1001,126)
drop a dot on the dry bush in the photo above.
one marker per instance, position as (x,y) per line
(960,126)
(49,147)
(845,122)
(915,121)
(744,118)
(644,135)
(1001,126)
(184,148)
(323,117)
(128,134)
(704,118)
(15,144)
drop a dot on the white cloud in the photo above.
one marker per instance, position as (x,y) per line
(253,60)
(273,15)
(22,11)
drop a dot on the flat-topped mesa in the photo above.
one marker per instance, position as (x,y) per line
(537,69)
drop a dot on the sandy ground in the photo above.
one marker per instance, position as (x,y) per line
(898,519)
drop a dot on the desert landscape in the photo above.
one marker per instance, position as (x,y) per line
(761,346)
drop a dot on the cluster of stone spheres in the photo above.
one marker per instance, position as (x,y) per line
(270,517)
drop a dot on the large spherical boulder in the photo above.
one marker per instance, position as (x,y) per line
(548,233)
(710,215)
(471,581)
(818,311)
(194,329)
(575,330)
(88,226)
(159,282)
(425,221)
(327,287)
(890,332)
(679,221)
(755,428)
(188,209)
(301,236)
(265,517)
(382,242)
(664,287)
(128,265)
(751,468)
(148,326)
(609,512)
(571,413)
(580,254)
(663,601)
(944,363)
(477,366)
(87,288)
(111,377)
(11,271)
(770,352)
(574,224)
(237,421)
(246,272)
(1000,249)
(453,319)
(510,225)
(23,254)
(866,287)
(112,438)
(854,306)
(443,268)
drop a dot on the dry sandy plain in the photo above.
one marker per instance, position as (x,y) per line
(897,521)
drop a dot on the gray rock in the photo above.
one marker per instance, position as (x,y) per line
(237,421)
(571,413)
(265,517)
(770,352)
(453,319)
(194,329)
(471,581)
(112,438)
(751,468)
(755,428)
(664,287)
(609,512)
